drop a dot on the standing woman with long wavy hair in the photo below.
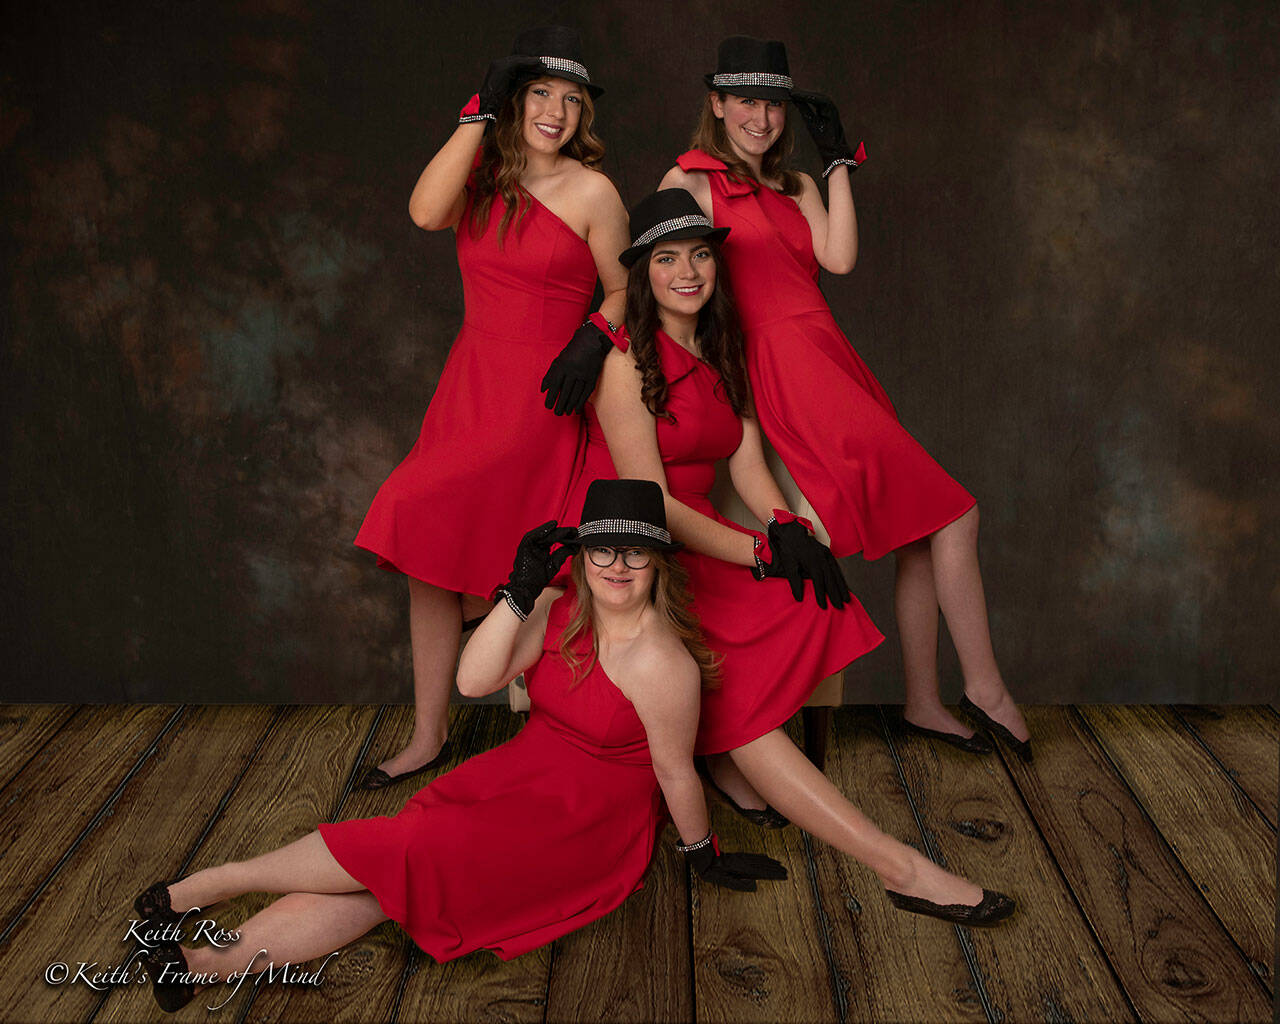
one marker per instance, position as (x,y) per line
(535,222)
(874,488)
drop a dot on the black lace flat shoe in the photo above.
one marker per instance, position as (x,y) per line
(166,958)
(376,778)
(993,908)
(1020,747)
(152,904)
(974,744)
(766,818)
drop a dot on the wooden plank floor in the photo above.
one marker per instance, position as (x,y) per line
(1141,844)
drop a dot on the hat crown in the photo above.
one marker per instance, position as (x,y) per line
(664,205)
(739,54)
(550,41)
(624,511)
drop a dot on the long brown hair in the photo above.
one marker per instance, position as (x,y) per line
(502,160)
(719,334)
(710,137)
(670,597)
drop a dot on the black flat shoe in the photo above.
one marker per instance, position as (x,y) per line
(376,778)
(152,904)
(167,958)
(991,909)
(974,744)
(1020,747)
(767,818)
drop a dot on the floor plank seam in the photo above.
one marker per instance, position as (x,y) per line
(348,787)
(36,753)
(1164,842)
(824,930)
(1230,775)
(993,1015)
(1066,884)
(93,823)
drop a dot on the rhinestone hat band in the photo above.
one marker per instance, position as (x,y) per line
(564,64)
(751,78)
(586,530)
(674,224)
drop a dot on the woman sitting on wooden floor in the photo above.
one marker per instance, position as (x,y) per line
(614,667)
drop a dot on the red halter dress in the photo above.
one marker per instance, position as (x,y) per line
(488,449)
(874,487)
(572,798)
(775,649)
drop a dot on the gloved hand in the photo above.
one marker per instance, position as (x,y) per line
(797,556)
(823,121)
(731,870)
(535,566)
(572,375)
(499,83)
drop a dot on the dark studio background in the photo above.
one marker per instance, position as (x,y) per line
(222,330)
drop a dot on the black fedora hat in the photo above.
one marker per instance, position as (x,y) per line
(665,215)
(624,513)
(751,67)
(559,48)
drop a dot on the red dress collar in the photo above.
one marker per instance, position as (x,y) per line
(697,160)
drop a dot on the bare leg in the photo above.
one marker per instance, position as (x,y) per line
(790,782)
(915,602)
(304,865)
(727,776)
(435,627)
(958,580)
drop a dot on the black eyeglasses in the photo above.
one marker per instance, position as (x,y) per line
(632,558)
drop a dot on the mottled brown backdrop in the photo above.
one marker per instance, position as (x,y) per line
(221,328)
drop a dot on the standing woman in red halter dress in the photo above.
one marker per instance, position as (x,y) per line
(672,400)
(535,224)
(873,486)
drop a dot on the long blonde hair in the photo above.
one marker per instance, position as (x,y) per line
(670,597)
(502,161)
(710,137)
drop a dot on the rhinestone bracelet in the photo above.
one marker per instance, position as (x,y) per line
(696,846)
(511,603)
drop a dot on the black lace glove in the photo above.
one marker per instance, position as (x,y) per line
(730,870)
(572,375)
(499,82)
(823,121)
(797,556)
(535,566)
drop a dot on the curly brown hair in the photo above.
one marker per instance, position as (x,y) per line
(670,597)
(502,161)
(719,333)
(710,137)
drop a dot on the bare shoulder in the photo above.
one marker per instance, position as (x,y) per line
(808,187)
(595,185)
(660,668)
(678,177)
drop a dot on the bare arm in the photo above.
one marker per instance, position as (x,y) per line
(607,236)
(439,197)
(834,230)
(665,688)
(502,646)
(751,476)
(630,431)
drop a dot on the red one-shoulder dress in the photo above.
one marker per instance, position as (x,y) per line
(490,460)
(872,484)
(775,649)
(572,800)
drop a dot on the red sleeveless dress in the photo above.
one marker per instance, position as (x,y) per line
(775,649)
(490,461)
(571,800)
(873,485)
